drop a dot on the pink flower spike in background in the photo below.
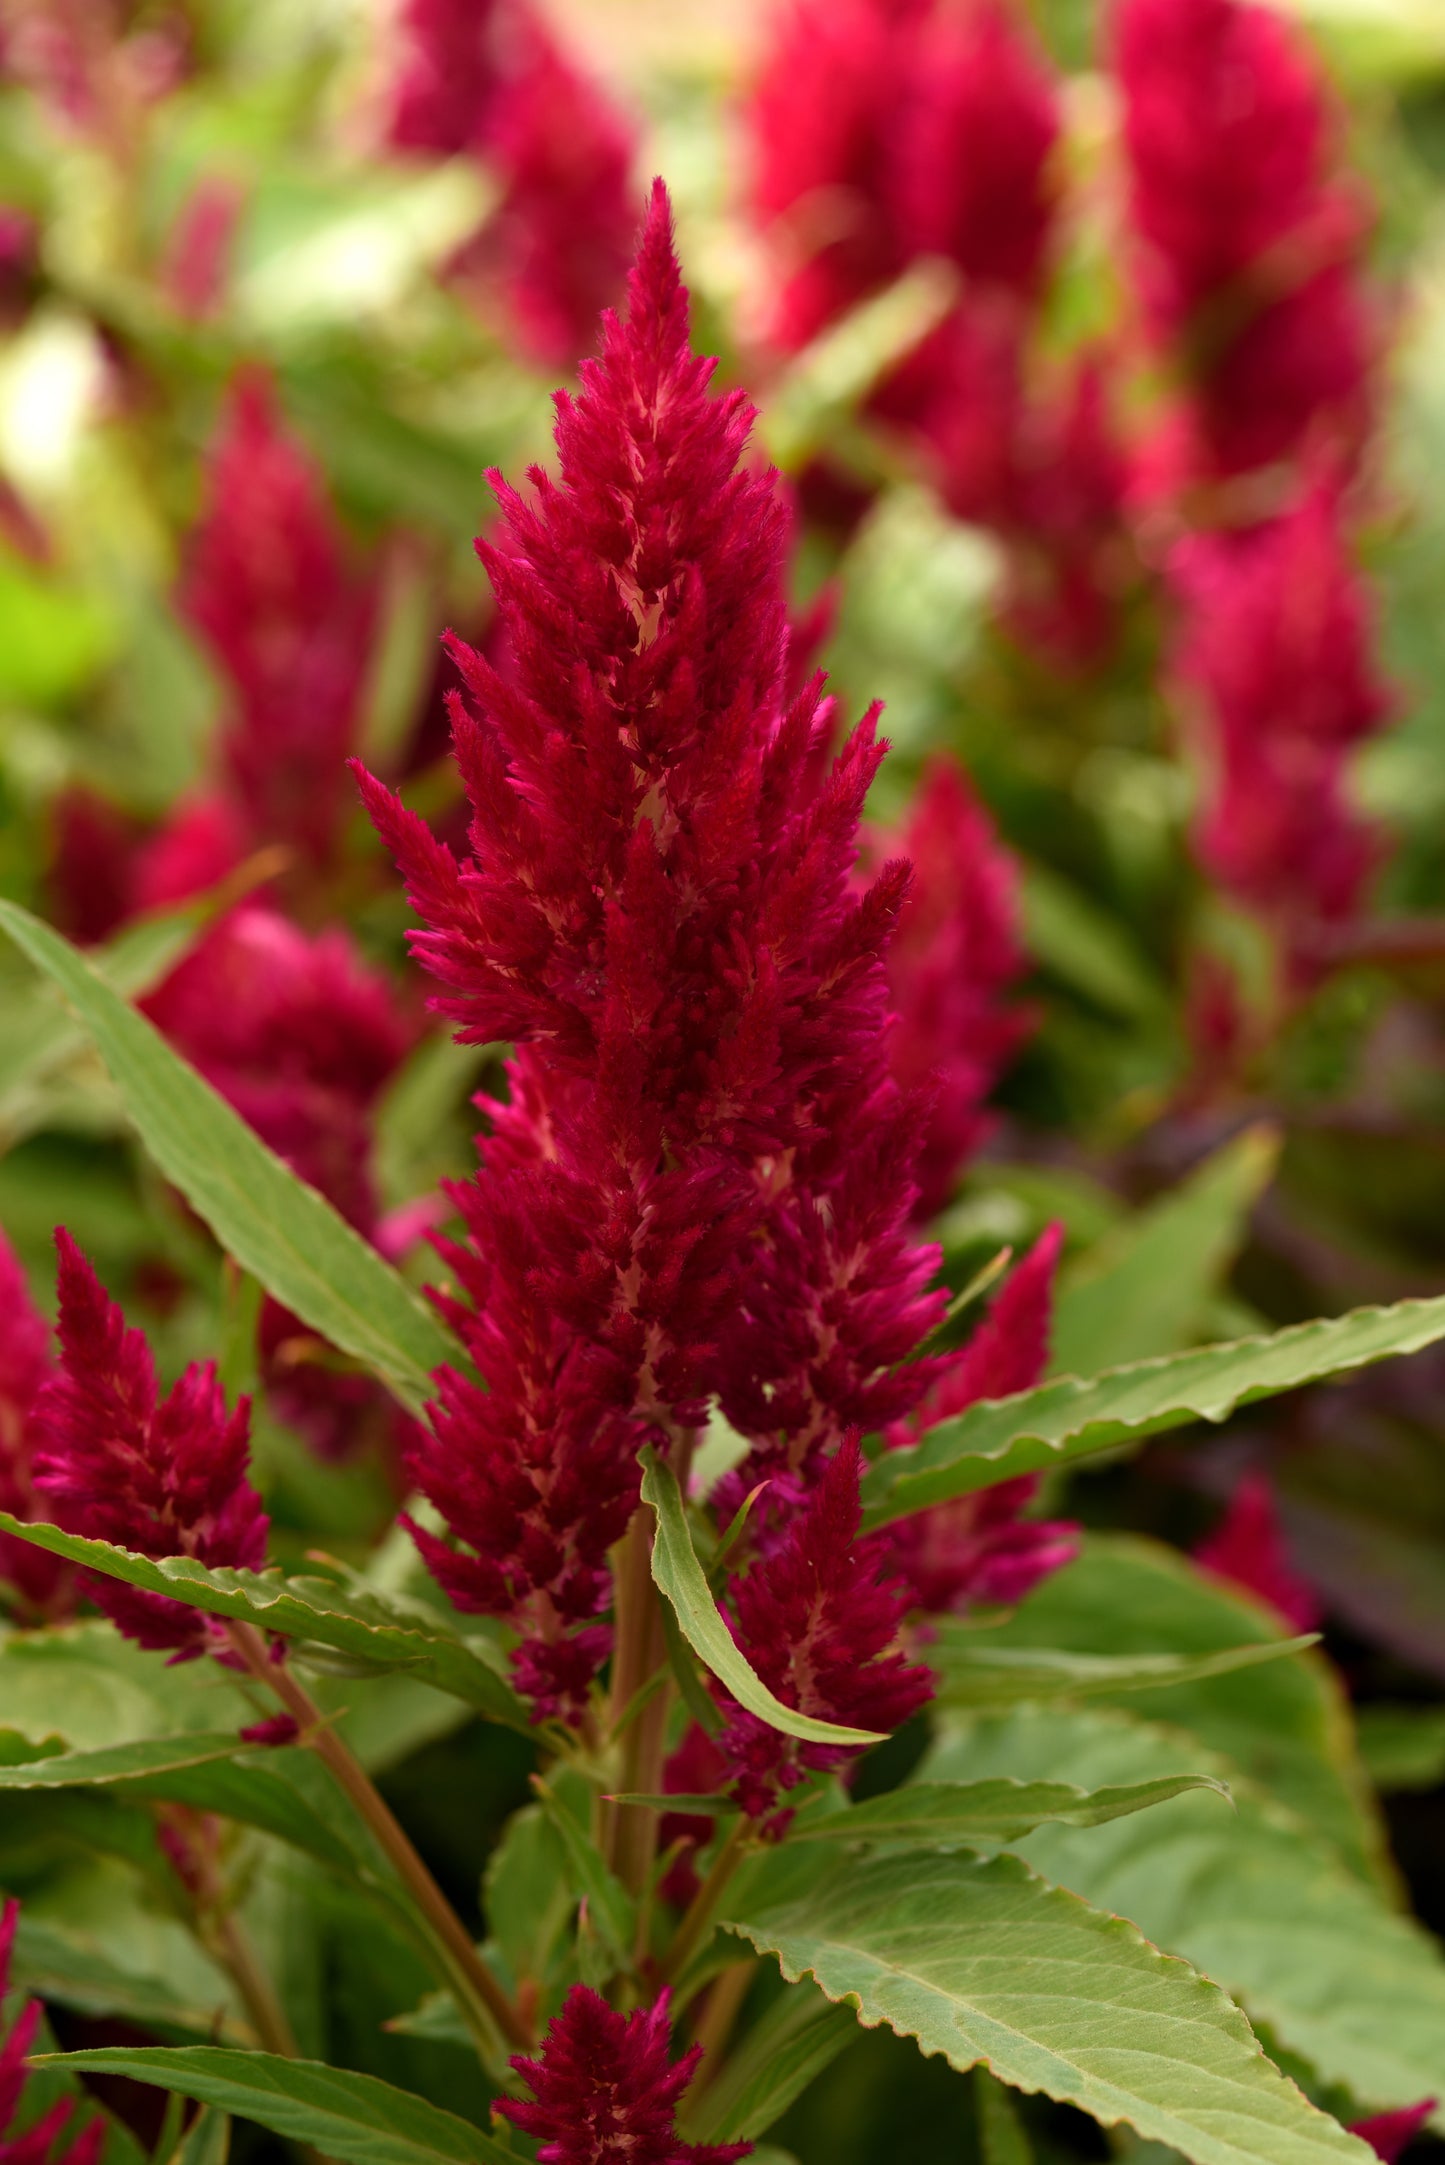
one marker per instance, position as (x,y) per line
(26,1365)
(1248,1549)
(1390,2133)
(165,1476)
(49,2140)
(605,2088)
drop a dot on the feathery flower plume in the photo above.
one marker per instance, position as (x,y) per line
(272,588)
(981,1548)
(1248,1549)
(819,1623)
(25,1366)
(1248,244)
(42,2144)
(955,956)
(447,77)
(119,1463)
(1276,656)
(605,2089)
(657,910)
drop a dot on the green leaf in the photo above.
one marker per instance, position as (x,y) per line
(785,2050)
(94,1946)
(1001,2138)
(1088,948)
(612,1911)
(935,1815)
(1144,1289)
(987,1964)
(1255,1900)
(1403,1746)
(374,1630)
(344,2115)
(1067,1420)
(977,1673)
(207,2141)
(681,1578)
(283,1232)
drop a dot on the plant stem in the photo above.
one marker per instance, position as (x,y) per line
(630,1836)
(482,1999)
(717,2012)
(699,1911)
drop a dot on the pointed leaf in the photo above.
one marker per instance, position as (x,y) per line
(988,1964)
(975,1672)
(933,1815)
(344,2115)
(1068,1420)
(276,1227)
(681,1578)
(797,2037)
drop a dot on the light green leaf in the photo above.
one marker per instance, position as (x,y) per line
(373,1630)
(93,1944)
(1144,1289)
(1064,1421)
(974,1672)
(988,1964)
(344,2115)
(681,1578)
(790,2045)
(1001,2137)
(1403,1746)
(207,2141)
(276,1227)
(1255,1900)
(943,1814)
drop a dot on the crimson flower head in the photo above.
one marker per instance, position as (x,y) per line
(1248,1549)
(605,2091)
(118,1462)
(1247,244)
(1388,2133)
(818,1621)
(447,76)
(41,2144)
(25,1366)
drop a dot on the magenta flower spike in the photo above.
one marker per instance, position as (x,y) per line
(25,1367)
(605,2091)
(1389,2133)
(45,2142)
(165,1476)
(1248,1549)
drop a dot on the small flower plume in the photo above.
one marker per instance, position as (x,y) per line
(1248,1549)
(165,1476)
(1276,656)
(50,2141)
(819,1623)
(1389,2133)
(272,587)
(980,1548)
(605,2090)
(954,959)
(657,909)
(26,1365)
(1247,242)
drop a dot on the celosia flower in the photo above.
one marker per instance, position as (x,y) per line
(1388,2133)
(1276,655)
(198,253)
(119,1463)
(819,1624)
(1246,241)
(41,2144)
(272,587)
(447,75)
(25,1366)
(1248,1549)
(657,909)
(981,1548)
(954,957)
(605,2091)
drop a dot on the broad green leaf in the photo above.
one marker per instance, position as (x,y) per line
(1403,1746)
(276,1227)
(974,1672)
(681,1578)
(1145,1288)
(343,2115)
(1067,1420)
(374,1631)
(1255,1900)
(1287,1724)
(989,1965)
(1001,2138)
(941,1814)
(84,1686)
(790,2045)
(91,1942)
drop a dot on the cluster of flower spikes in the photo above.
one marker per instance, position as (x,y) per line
(49,2140)
(42,1582)
(1275,662)
(117,1462)
(488,78)
(882,132)
(605,2087)
(701,1183)
(1246,240)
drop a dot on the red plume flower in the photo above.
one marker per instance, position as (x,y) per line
(25,1366)
(818,1623)
(1248,1549)
(41,2144)
(981,1548)
(1247,244)
(1388,2133)
(604,2089)
(164,1476)
(657,909)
